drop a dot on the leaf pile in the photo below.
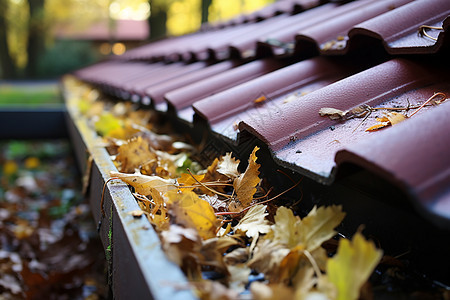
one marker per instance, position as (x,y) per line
(49,245)
(220,225)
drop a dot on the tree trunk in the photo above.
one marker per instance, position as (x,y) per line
(7,69)
(36,36)
(205,10)
(157,20)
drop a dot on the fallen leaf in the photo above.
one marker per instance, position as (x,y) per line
(395,118)
(254,222)
(245,184)
(352,265)
(318,226)
(261,291)
(389,120)
(109,126)
(134,154)
(191,211)
(239,277)
(179,242)
(188,182)
(228,166)
(144,184)
(332,113)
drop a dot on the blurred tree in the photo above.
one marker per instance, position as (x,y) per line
(205,10)
(36,36)
(7,68)
(158,19)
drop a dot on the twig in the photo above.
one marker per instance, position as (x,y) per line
(206,187)
(262,202)
(103,194)
(422,31)
(429,100)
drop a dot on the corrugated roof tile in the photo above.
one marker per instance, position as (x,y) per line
(277,100)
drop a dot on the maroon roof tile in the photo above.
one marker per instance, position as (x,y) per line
(399,29)
(333,33)
(184,97)
(414,155)
(223,111)
(290,93)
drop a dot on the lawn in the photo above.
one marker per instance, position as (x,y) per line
(29,93)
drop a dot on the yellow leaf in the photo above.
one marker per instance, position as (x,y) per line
(108,124)
(144,184)
(254,222)
(191,211)
(245,184)
(228,166)
(32,163)
(318,226)
(10,167)
(378,126)
(187,182)
(134,154)
(286,228)
(350,268)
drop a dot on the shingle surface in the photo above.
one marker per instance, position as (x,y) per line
(269,73)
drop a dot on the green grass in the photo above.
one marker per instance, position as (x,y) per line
(29,94)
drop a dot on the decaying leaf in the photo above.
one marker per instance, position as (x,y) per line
(179,242)
(193,212)
(245,184)
(350,268)
(134,154)
(332,113)
(254,222)
(228,166)
(144,184)
(261,291)
(110,126)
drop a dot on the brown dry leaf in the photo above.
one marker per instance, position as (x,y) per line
(239,277)
(179,242)
(213,252)
(228,166)
(134,154)
(254,222)
(245,184)
(237,256)
(350,268)
(332,113)
(217,204)
(213,290)
(191,211)
(144,184)
(267,257)
(261,291)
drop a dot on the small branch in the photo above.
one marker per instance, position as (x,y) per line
(428,101)
(422,31)
(206,187)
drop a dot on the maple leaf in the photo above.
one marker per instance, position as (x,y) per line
(350,268)
(191,211)
(228,166)
(133,154)
(254,222)
(245,184)
(144,184)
